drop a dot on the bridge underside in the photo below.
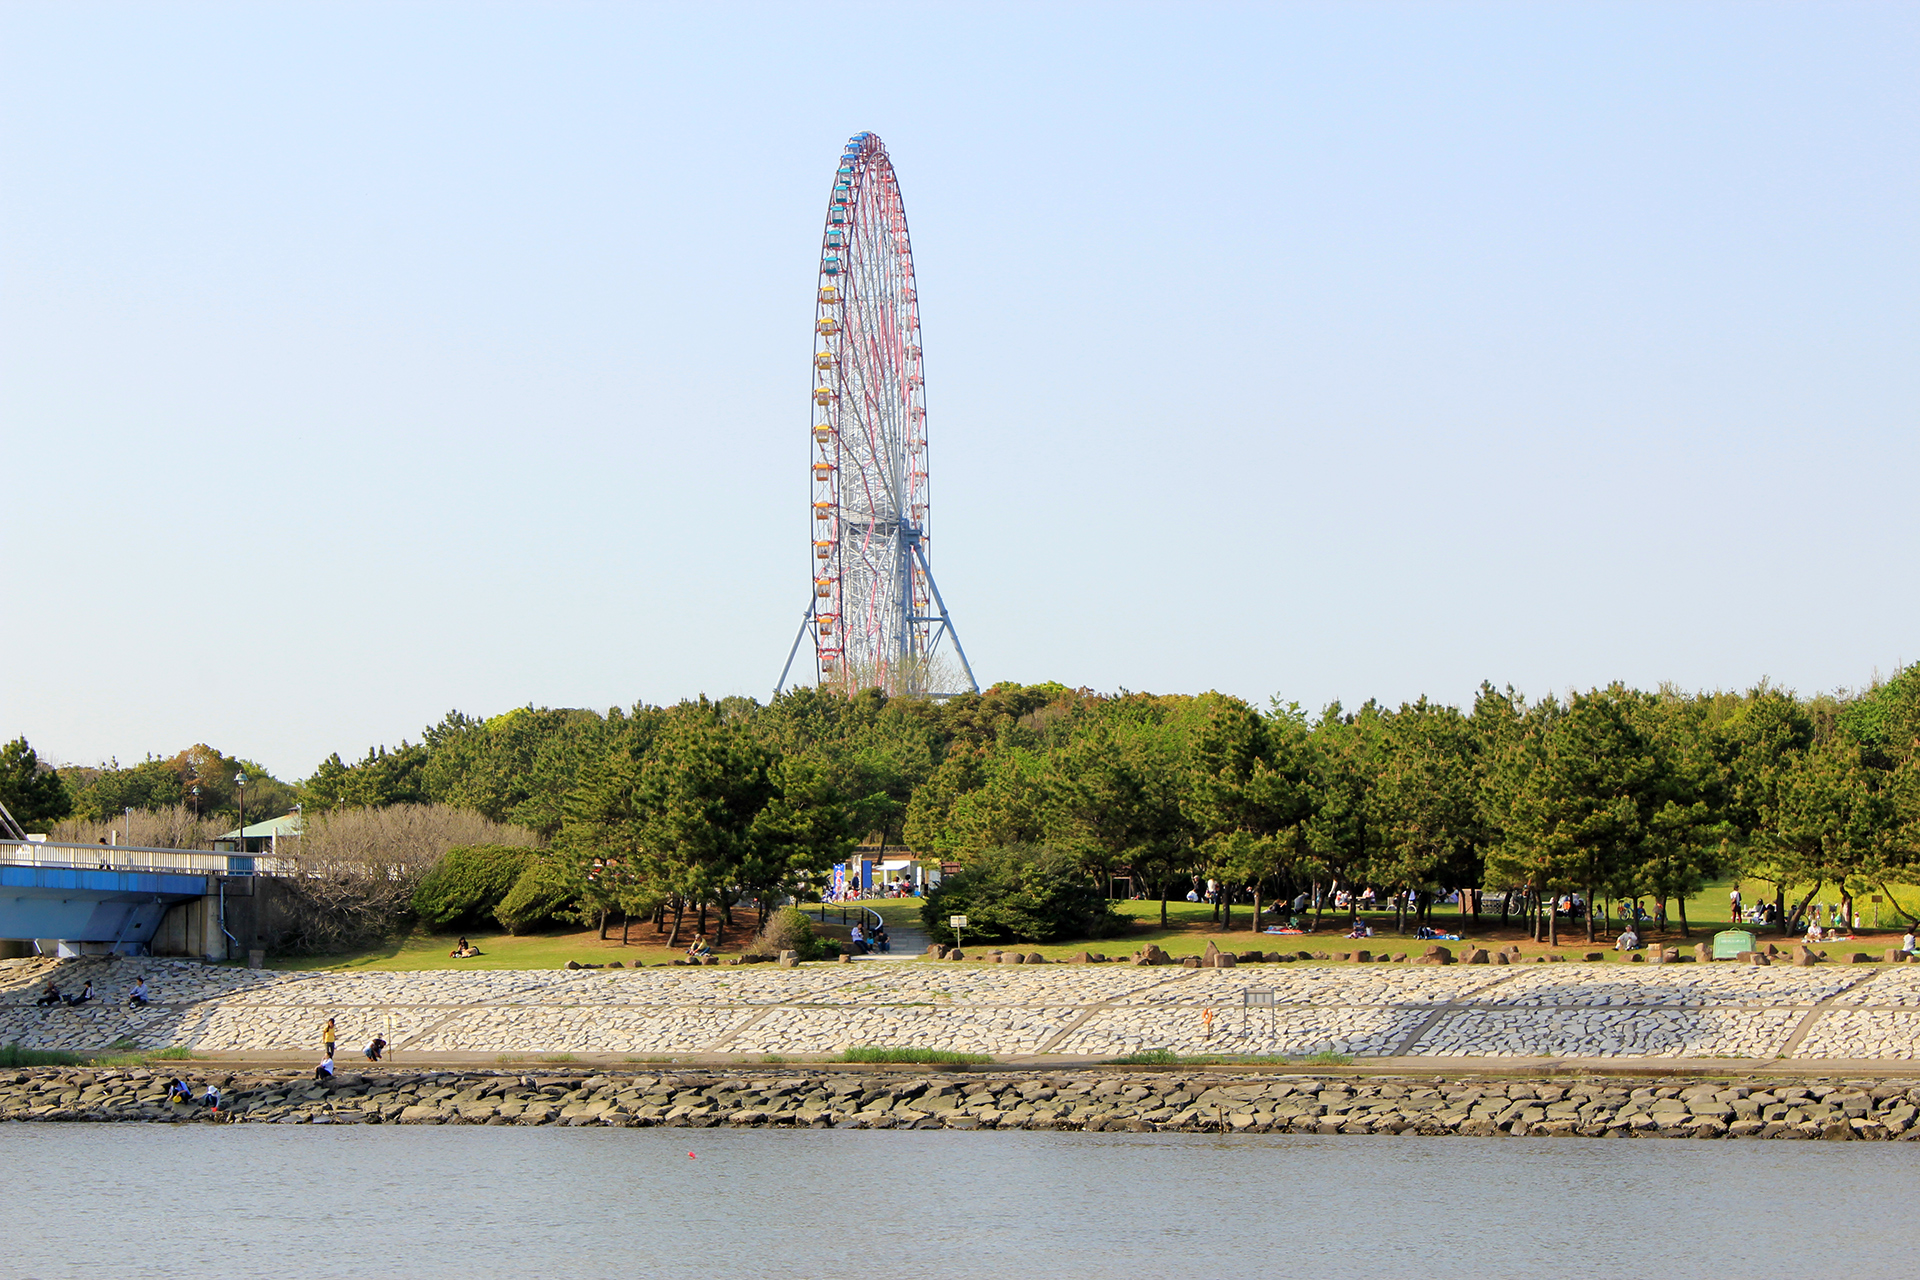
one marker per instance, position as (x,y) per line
(82,906)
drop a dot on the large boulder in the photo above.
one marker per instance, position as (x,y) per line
(789,959)
(1437,954)
(1477,955)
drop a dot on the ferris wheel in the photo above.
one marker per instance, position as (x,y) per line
(874,612)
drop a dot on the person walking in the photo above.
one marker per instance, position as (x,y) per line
(329,1037)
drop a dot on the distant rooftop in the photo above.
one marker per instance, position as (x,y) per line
(285,825)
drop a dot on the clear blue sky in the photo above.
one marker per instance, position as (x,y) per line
(362,362)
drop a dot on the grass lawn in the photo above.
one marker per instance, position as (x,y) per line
(507,951)
(1190,927)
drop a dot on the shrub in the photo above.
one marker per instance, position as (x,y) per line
(539,896)
(1021,893)
(787,929)
(468,883)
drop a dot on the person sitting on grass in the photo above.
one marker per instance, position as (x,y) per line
(1627,941)
(466,950)
(699,950)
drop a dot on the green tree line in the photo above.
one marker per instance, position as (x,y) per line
(1611,793)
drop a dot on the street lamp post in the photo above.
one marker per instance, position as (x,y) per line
(240,781)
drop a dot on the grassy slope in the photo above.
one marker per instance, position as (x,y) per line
(503,951)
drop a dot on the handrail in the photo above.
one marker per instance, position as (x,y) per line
(120,857)
(842,908)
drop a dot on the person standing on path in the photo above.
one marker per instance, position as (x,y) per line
(329,1037)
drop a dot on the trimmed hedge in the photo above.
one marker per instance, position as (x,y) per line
(539,897)
(1022,893)
(467,884)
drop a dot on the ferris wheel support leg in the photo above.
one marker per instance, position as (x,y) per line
(945,618)
(806,620)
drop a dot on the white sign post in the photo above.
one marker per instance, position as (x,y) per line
(957,923)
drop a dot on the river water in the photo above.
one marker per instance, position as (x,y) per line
(478,1203)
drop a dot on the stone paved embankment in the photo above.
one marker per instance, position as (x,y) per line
(1676,1107)
(1825,1012)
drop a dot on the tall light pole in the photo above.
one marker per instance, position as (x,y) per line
(240,781)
